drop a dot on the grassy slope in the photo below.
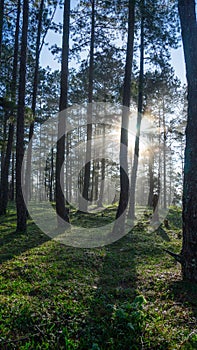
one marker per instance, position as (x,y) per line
(58,297)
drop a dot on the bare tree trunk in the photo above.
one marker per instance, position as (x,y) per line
(91,197)
(13,178)
(5,173)
(51,192)
(62,211)
(189,36)
(3,147)
(100,200)
(1,24)
(124,181)
(156,196)
(83,203)
(151,180)
(164,160)
(131,213)
(20,204)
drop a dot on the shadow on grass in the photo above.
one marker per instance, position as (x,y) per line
(163,234)
(185,292)
(13,244)
(107,322)
(113,322)
(82,295)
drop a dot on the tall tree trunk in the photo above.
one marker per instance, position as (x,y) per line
(3,147)
(13,178)
(83,203)
(189,36)
(6,165)
(151,179)
(124,181)
(5,172)
(20,204)
(1,24)
(33,107)
(91,196)
(156,196)
(100,199)
(62,211)
(51,180)
(164,159)
(131,213)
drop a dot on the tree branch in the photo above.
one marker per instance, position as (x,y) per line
(177,257)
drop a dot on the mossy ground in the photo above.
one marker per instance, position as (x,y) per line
(59,297)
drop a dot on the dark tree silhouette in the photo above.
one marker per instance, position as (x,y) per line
(189,36)
(20,204)
(124,181)
(62,211)
(83,203)
(131,213)
(1,23)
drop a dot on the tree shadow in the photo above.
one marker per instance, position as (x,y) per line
(106,319)
(108,324)
(185,293)
(13,244)
(163,234)
(116,285)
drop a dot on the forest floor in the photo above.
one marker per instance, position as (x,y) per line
(127,295)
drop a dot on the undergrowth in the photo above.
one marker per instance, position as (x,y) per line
(127,295)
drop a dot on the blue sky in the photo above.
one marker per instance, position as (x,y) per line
(47,59)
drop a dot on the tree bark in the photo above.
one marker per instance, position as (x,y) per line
(20,204)
(164,159)
(83,203)
(131,213)
(189,36)
(100,199)
(62,211)
(151,180)
(5,172)
(124,181)
(12,190)
(1,24)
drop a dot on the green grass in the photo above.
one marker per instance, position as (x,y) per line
(127,295)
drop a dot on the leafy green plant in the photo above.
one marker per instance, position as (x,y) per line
(130,318)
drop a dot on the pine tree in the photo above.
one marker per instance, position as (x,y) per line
(124,181)
(189,36)
(62,211)
(20,204)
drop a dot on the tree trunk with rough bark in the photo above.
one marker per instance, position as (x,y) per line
(131,213)
(102,186)
(124,181)
(20,204)
(1,24)
(189,36)
(62,211)
(83,203)
(151,180)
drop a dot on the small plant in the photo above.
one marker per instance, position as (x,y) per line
(129,319)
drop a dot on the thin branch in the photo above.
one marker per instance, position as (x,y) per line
(177,257)
(45,33)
